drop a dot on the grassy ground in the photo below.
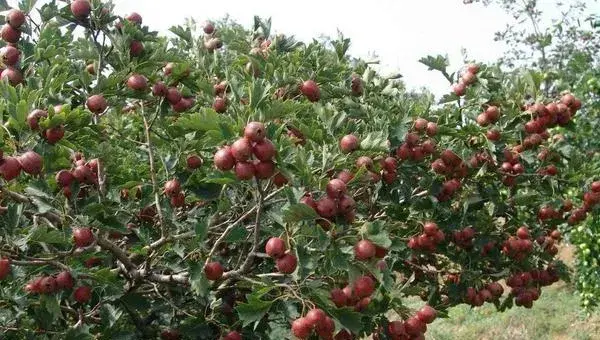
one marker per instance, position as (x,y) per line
(555,316)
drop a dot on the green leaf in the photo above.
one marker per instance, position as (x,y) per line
(348,318)
(51,304)
(79,333)
(198,281)
(255,309)
(298,212)
(44,235)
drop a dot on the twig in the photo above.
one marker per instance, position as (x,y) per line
(165,240)
(117,252)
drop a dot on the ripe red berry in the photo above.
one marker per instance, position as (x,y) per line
(244,171)
(286,264)
(430,228)
(459,89)
(64,280)
(427,314)
(432,129)
(209,27)
(9,34)
(136,48)
(264,150)
(4,268)
(349,143)
(310,90)
(55,134)
(364,250)
(96,103)
(9,55)
(83,294)
(194,161)
(364,286)
(137,82)
(213,271)
(83,237)
(255,131)
(31,162)
(220,105)
(315,317)
(47,285)
(301,328)
(172,187)
(15,18)
(346,204)
(81,8)
(10,168)
(364,161)
(326,207)
(134,17)
(338,297)
(523,233)
(275,247)
(13,75)
(420,124)
(224,159)
(241,149)
(336,188)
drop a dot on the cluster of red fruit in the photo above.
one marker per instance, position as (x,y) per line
(239,153)
(511,168)
(335,203)
(220,102)
(211,41)
(590,199)
(365,250)
(172,190)
(316,320)
(10,54)
(464,238)
(55,283)
(285,262)
(546,155)
(552,114)
(357,294)
(172,94)
(468,78)
(491,292)
(51,135)
(10,167)
(429,239)
(548,242)
(413,147)
(526,285)
(83,172)
(490,115)
(454,168)
(518,247)
(414,327)
(356,85)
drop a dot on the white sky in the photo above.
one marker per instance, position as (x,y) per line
(400,32)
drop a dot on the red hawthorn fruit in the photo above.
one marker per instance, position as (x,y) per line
(220,105)
(493,135)
(47,285)
(325,328)
(450,158)
(396,329)
(172,187)
(15,18)
(208,27)
(362,304)
(55,134)
(193,161)
(96,103)
(310,90)
(315,317)
(83,237)
(255,131)
(241,149)
(343,335)
(492,113)
(159,89)
(64,280)
(428,147)
(13,75)
(336,188)
(31,162)
(81,8)
(411,139)
(178,200)
(244,170)
(264,150)
(275,247)
(173,95)
(137,82)
(338,297)
(224,159)
(389,177)
(9,34)
(432,129)
(439,167)
(349,143)
(10,168)
(346,204)
(364,250)
(308,200)
(264,170)
(390,164)
(301,328)
(213,271)
(33,118)
(82,174)
(286,264)
(427,314)
(4,268)
(468,78)
(414,326)
(496,289)
(403,152)
(459,89)
(430,228)
(365,161)
(134,18)
(64,178)
(473,68)
(364,286)
(350,295)
(482,119)
(523,233)
(82,294)
(136,48)
(326,207)
(9,55)
(345,176)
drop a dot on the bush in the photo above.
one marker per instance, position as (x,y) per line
(231,183)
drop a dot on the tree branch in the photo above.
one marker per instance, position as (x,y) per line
(117,252)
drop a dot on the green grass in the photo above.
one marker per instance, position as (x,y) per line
(555,316)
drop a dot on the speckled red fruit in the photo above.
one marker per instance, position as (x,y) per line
(275,247)
(12,75)
(48,285)
(468,78)
(172,187)
(9,55)
(315,317)
(349,143)
(390,164)
(346,204)
(244,171)
(450,158)
(523,233)
(286,264)
(432,129)
(194,161)
(220,105)
(55,134)
(64,280)
(364,250)
(430,228)
(336,188)
(325,328)
(427,314)
(308,200)
(208,27)
(493,135)
(136,48)
(82,173)
(213,271)
(301,328)
(4,268)
(96,103)
(81,8)
(31,162)
(137,82)
(134,17)
(255,131)
(9,34)
(414,326)
(326,207)
(10,168)
(279,180)
(492,113)
(15,18)
(264,150)
(82,294)
(345,176)
(310,90)
(364,161)
(338,297)
(170,334)
(241,149)
(364,286)
(233,335)
(459,89)
(173,95)
(264,170)
(83,237)
(159,89)
(396,328)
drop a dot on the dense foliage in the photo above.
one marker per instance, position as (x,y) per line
(226,183)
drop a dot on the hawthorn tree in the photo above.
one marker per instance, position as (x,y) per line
(228,183)
(565,50)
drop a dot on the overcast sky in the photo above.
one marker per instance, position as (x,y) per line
(398,31)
